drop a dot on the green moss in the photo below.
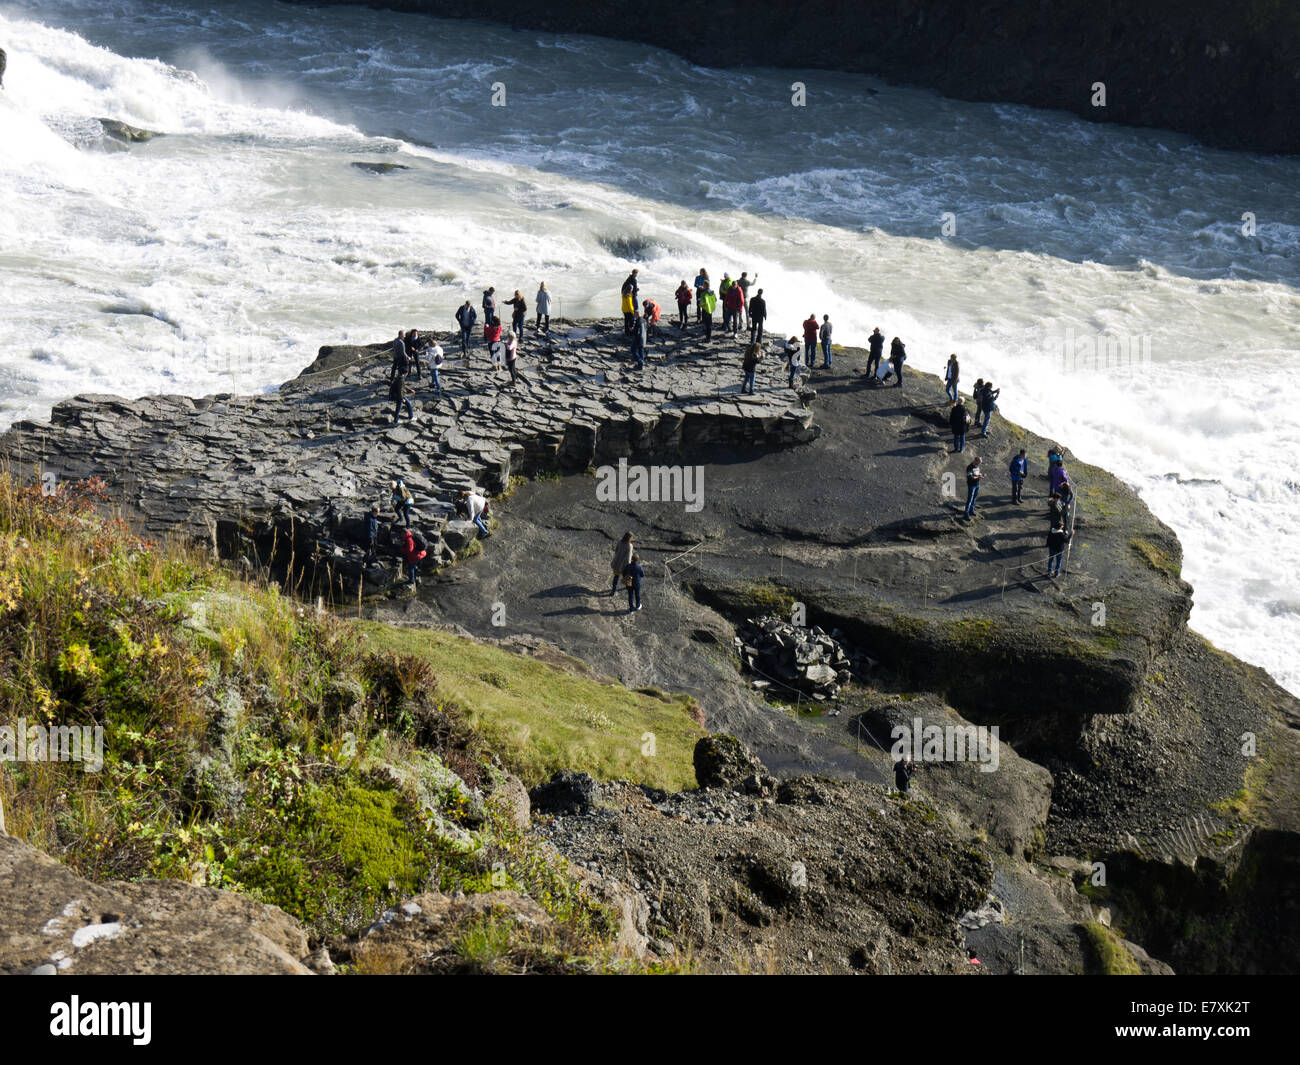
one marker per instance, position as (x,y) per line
(1108,954)
(1156,557)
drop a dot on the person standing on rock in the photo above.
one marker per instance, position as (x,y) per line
(744,281)
(512,356)
(791,348)
(372,533)
(397,380)
(988,404)
(633,575)
(704,304)
(639,329)
(489,304)
(974,474)
(734,302)
(903,770)
(1019,471)
(412,553)
(897,356)
(757,316)
(436,358)
(4,62)
(958,422)
(724,286)
(1057,538)
(683,297)
(951,373)
(1057,477)
(749,367)
(630,292)
(414,345)
(1055,510)
(875,348)
(401,499)
(466,318)
(825,335)
(492,335)
(520,306)
(810,330)
(622,556)
(543,308)
(701,283)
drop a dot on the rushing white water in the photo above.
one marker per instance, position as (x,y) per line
(219,257)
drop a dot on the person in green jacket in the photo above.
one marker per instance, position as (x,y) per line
(706,303)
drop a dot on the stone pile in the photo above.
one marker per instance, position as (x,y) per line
(783,655)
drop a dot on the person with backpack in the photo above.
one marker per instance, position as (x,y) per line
(489,304)
(1057,538)
(1066,494)
(512,356)
(974,474)
(520,306)
(951,373)
(1057,477)
(412,553)
(543,308)
(897,356)
(1019,471)
(639,328)
(958,422)
(825,335)
(988,404)
(810,330)
(1055,510)
(466,317)
(401,499)
(704,305)
(734,302)
(650,309)
(875,348)
(475,508)
(633,575)
(683,297)
(757,316)
(622,557)
(749,367)
(701,283)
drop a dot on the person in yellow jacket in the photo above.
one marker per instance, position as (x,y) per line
(707,301)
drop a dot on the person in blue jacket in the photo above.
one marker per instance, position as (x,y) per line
(635,572)
(1019,471)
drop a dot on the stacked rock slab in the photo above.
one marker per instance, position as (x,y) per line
(290,473)
(786,656)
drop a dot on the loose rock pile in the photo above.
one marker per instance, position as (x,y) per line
(810,660)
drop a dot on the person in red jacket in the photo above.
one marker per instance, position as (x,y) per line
(810,331)
(734,302)
(412,553)
(683,295)
(492,334)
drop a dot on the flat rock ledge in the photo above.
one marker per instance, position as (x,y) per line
(295,469)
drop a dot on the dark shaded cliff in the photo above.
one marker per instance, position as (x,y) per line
(1229,74)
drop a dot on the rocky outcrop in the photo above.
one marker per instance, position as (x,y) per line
(54,921)
(796,657)
(1225,74)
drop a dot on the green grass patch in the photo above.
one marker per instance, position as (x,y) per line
(1108,954)
(1156,557)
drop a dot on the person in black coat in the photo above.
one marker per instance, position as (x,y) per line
(958,422)
(876,345)
(903,770)
(897,356)
(757,316)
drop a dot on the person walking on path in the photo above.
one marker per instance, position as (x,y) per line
(750,365)
(466,318)
(701,283)
(639,328)
(810,329)
(705,302)
(622,556)
(633,575)
(1019,471)
(757,316)
(400,498)
(825,335)
(875,348)
(1057,477)
(412,553)
(973,477)
(897,356)
(489,304)
(543,308)
(475,508)
(903,770)
(988,404)
(512,356)
(520,306)
(958,422)
(683,297)
(1057,538)
(950,375)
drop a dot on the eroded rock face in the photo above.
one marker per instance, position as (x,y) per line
(50,916)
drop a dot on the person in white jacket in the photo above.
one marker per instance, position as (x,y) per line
(543,308)
(473,505)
